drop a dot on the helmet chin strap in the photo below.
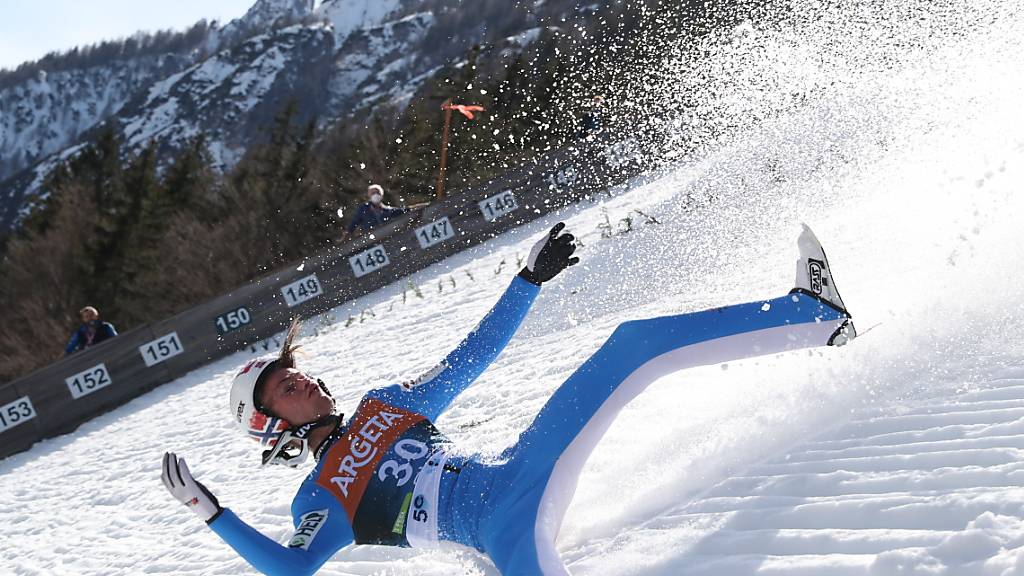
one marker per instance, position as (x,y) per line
(284,450)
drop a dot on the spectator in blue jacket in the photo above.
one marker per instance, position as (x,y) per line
(92,331)
(375,212)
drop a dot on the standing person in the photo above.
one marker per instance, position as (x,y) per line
(91,332)
(374,212)
(387,476)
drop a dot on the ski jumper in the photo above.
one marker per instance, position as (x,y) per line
(388,476)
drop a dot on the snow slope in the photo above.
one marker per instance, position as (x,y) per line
(897,454)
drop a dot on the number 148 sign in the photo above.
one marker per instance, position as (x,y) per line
(369,260)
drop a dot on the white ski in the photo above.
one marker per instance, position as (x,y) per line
(814,277)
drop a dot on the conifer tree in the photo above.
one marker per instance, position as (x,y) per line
(121,268)
(154,244)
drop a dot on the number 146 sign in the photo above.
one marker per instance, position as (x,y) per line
(497,206)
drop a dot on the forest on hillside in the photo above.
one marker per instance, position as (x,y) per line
(158,43)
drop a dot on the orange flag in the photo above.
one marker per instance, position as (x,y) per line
(467,111)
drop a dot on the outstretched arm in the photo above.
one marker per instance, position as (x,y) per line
(319,531)
(433,392)
(319,534)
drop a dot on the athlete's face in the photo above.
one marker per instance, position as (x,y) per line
(295,397)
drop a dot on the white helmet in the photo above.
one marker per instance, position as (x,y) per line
(245,408)
(286,444)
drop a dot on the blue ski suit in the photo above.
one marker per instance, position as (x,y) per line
(387,476)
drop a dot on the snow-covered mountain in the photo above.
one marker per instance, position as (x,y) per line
(342,56)
(50,111)
(231,95)
(44,114)
(262,17)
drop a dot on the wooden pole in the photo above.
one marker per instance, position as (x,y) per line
(447,107)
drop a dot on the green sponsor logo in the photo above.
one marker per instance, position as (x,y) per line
(399,526)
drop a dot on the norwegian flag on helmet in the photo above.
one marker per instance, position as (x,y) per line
(265,428)
(257,363)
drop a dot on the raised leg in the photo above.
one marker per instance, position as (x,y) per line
(541,473)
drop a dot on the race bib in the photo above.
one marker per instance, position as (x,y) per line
(374,468)
(421,525)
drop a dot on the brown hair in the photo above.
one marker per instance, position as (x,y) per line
(285,360)
(287,357)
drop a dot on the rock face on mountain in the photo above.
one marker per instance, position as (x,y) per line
(48,112)
(330,62)
(43,115)
(231,96)
(264,16)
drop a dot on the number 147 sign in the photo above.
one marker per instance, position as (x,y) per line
(435,232)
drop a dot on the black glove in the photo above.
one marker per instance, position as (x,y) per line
(550,256)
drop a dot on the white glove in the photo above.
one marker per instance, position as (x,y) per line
(187,490)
